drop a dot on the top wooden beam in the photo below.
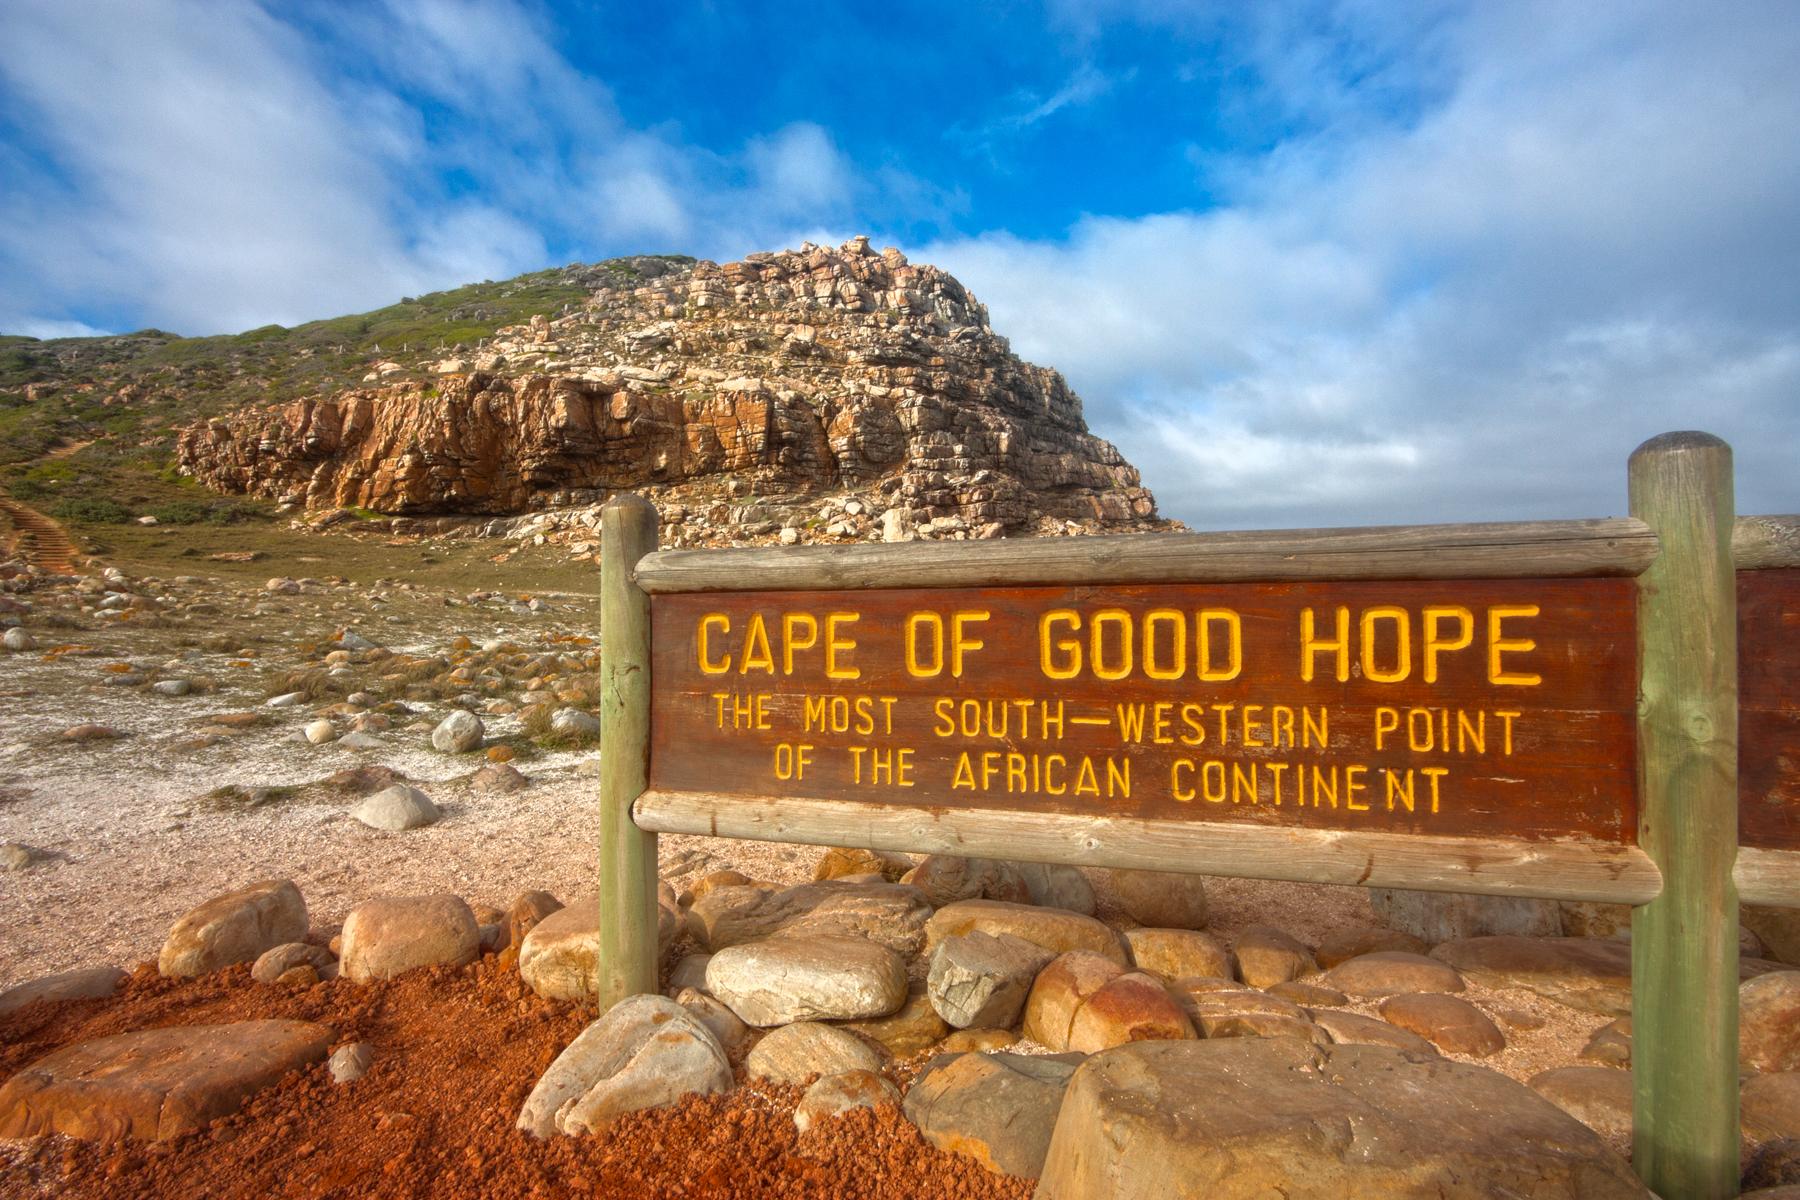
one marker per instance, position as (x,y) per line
(1501,550)
(1761,543)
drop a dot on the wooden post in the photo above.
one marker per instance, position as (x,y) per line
(1685,942)
(627,965)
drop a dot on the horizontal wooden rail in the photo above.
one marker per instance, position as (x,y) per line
(1509,550)
(1562,870)
(1768,877)
(1761,543)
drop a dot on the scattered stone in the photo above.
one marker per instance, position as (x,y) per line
(155,1084)
(17,639)
(361,741)
(917,1026)
(90,733)
(978,979)
(1391,972)
(1059,992)
(718,879)
(16,856)
(397,808)
(690,972)
(1161,899)
(1267,956)
(795,1053)
(350,1063)
(233,928)
(172,687)
(1249,1117)
(1309,995)
(1354,1029)
(278,960)
(391,934)
(835,1095)
(1779,929)
(1132,1008)
(319,732)
(525,912)
(1770,1106)
(568,723)
(1346,944)
(458,733)
(1598,1097)
(1443,916)
(790,978)
(88,983)
(559,958)
(1240,1012)
(733,1035)
(1611,1044)
(1054,929)
(498,779)
(998,1109)
(887,913)
(644,1052)
(840,861)
(1769,1022)
(285,700)
(1057,885)
(1452,1025)
(1178,953)
(1593,974)
(945,878)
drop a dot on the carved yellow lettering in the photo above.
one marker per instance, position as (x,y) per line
(1204,620)
(1311,645)
(757,654)
(721,622)
(961,644)
(1070,648)
(1120,666)
(1402,666)
(1498,644)
(791,623)
(1175,665)
(916,664)
(835,645)
(1436,644)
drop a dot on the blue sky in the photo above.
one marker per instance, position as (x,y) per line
(1307,263)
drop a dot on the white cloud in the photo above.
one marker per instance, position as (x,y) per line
(1589,234)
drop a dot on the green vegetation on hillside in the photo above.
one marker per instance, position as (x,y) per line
(129,394)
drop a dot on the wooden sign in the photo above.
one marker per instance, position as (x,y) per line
(1769,710)
(1485,708)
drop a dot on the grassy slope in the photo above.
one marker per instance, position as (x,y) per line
(174,380)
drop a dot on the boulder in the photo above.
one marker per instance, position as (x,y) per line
(1267,956)
(571,723)
(1445,916)
(155,1083)
(1598,1097)
(840,861)
(1054,929)
(944,879)
(796,1053)
(1057,885)
(458,733)
(973,1041)
(1354,1029)
(390,935)
(1258,1117)
(1309,995)
(1452,1025)
(915,1027)
(792,978)
(559,958)
(1179,953)
(1060,990)
(1770,1106)
(278,960)
(690,972)
(835,1095)
(998,1109)
(1345,944)
(1242,1012)
(1779,929)
(1769,1022)
(733,1035)
(979,979)
(1132,1008)
(88,983)
(526,911)
(350,1063)
(233,928)
(887,913)
(1593,974)
(1162,899)
(397,808)
(1391,972)
(644,1052)
(1610,1044)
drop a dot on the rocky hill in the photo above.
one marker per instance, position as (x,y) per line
(737,396)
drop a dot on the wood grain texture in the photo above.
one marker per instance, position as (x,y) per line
(628,949)
(1502,550)
(1765,543)
(1684,942)
(1767,877)
(1768,619)
(1568,870)
(1465,756)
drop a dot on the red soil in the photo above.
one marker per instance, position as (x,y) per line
(456,1051)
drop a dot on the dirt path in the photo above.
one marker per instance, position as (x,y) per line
(39,539)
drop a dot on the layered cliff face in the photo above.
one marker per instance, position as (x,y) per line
(734,396)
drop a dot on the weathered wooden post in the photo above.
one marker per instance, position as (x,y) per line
(1684,942)
(627,964)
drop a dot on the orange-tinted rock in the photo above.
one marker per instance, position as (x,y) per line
(1131,1008)
(155,1083)
(234,928)
(1449,1024)
(1059,992)
(1391,972)
(1267,956)
(1178,953)
(1769,1022)
(1055,929)
(1345,944)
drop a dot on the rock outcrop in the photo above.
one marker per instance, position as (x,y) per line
(735,396)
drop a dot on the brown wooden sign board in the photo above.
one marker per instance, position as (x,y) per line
(1485,708)
(1769,709)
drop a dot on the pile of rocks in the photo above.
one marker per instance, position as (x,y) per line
(810,395)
